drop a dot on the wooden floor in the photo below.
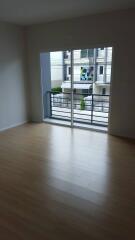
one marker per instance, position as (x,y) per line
(58,183)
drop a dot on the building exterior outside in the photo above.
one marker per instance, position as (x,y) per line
(92,69)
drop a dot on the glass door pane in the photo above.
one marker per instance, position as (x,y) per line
(83,66)
(56,82)
(91,86)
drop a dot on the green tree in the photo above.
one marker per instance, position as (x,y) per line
(56,90)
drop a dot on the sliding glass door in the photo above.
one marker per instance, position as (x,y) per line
(77,86)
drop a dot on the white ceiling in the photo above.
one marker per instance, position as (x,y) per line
(26,12)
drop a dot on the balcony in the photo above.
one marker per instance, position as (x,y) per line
(87,109)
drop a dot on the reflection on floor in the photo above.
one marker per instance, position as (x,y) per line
(76,125)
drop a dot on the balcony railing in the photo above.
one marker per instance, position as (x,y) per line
(89,109)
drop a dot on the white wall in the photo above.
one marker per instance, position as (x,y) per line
(97,88)
(56,60)
(112,29)
(101,53)
(13,97)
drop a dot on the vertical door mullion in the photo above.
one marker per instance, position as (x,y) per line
(72,88)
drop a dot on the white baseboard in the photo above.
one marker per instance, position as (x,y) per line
(13,126)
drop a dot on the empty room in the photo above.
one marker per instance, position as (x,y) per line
(67,120)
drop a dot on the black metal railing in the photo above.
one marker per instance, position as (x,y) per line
(90,109)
